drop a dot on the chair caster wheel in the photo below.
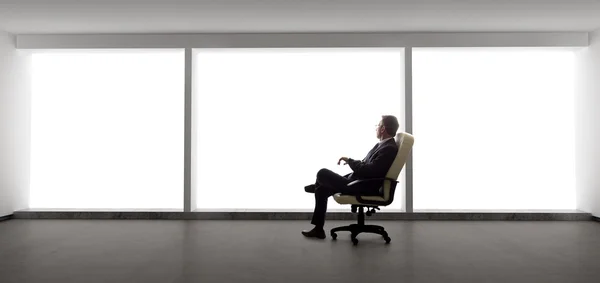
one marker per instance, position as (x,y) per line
(333,236)
(387,240)
(354,241)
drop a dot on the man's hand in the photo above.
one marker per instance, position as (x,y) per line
(345,159)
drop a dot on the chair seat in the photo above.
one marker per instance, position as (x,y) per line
(350,199)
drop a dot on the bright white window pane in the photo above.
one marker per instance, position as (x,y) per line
(269,119)
(107,129)
(493,128)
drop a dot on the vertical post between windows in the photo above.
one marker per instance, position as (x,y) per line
(408,191)
(188,196)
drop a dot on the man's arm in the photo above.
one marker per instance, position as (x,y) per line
(378,166)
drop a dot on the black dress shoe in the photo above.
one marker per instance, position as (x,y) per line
(314,233)
(310,189)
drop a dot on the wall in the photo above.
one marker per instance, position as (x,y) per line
(15,98)
(587,129)
(14,126)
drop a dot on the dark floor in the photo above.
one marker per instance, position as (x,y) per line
(274,251)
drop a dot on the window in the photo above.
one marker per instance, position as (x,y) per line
(267,120)
(107,129)
(494,128)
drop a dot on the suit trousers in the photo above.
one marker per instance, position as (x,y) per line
(329,183)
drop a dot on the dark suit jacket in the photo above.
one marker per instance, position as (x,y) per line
(375,165)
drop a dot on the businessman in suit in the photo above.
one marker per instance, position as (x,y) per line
(375,165)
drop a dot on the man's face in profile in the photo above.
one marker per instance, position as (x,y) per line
(379,130)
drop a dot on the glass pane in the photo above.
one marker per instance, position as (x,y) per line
(269,119)
(107,129)
(494,128)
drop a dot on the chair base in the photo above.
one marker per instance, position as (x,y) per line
(356,229)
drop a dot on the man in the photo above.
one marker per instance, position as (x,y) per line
(375,165)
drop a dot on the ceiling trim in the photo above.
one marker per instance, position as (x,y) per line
(303,40)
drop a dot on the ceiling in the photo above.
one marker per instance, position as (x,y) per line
(199,16)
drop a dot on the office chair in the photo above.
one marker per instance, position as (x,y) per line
(371,203)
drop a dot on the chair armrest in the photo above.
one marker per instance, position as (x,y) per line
(371,180)
(370,202)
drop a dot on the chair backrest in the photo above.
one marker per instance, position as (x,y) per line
(405,143)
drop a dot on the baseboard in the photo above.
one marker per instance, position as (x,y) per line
(463,216)
(5,218)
